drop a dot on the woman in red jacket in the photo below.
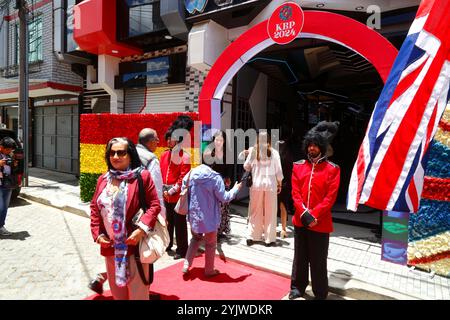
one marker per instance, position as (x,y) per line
(115,202)
(315,183)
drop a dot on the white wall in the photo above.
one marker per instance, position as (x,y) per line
(206,41)
(108,68)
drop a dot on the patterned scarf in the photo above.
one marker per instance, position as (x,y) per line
(118,223)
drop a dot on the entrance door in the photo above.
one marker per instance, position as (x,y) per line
(56,138)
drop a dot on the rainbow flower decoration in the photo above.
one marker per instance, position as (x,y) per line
(97,129)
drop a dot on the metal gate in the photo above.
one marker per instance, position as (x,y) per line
(158,99)
(56,142)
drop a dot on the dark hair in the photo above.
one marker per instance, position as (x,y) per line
(223,135)
(168,134)
(135,161)
(181,122)
(8,143)
(313,137)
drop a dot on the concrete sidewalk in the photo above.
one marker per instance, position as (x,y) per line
(355,267)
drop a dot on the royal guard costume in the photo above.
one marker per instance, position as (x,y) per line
(315,184)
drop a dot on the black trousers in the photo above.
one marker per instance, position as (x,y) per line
(178,223)
(310,250)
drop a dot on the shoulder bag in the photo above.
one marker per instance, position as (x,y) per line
(182,206)
(153,245)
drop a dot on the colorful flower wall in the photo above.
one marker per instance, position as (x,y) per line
(97,129)
(429,229)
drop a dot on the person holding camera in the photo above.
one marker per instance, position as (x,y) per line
(315,184)
(7,184)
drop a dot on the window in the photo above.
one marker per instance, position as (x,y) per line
(138,17)
(71,45)
(34,40)
(162,70)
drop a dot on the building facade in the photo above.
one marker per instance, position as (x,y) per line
(54,88)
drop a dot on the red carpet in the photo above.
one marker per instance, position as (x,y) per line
(235,282)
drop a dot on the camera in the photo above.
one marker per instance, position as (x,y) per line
(167,187)
(9,161)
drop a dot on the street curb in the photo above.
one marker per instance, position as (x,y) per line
(66,208)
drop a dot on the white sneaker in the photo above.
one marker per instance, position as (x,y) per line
(185,267)
(4,232)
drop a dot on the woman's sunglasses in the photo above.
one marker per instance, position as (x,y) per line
(120,153)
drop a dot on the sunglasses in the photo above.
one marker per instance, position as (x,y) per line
(120,153)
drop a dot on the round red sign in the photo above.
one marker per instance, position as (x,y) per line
(285,23)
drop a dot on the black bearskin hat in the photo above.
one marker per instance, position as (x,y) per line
(327,129)
(317,139)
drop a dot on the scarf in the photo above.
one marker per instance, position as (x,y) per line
(122,269)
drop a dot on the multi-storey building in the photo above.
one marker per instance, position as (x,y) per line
(54,87)
(140,49)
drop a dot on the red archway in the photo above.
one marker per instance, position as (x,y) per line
(317,24)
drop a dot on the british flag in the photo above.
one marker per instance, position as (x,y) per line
(388,173)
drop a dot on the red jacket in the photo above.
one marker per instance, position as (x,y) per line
(315,186)
(133,206)
(173,171)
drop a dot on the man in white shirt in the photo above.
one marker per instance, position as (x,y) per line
(148,142)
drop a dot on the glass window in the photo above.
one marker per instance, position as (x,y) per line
(162,70)
(143,17)
(34,40)
(71,45)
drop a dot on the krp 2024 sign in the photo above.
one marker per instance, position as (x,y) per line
(285,23)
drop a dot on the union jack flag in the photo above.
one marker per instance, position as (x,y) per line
(388,173)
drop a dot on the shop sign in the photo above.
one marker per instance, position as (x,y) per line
(285,23)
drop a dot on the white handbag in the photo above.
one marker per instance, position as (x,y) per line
(154,244)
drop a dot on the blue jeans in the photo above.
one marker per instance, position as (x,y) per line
(5,197)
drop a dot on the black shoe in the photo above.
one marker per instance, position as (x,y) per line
(294,294)
(169,249)
(270,244)
(249,242)
(96,286)
(154,296)
(177,256)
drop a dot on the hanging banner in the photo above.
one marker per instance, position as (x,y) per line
(395,237)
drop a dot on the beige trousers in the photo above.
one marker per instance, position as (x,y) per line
(262,214)
(136,289)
